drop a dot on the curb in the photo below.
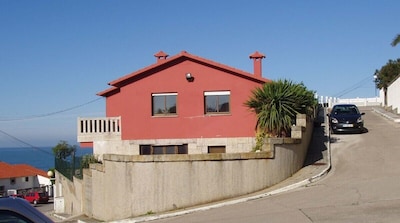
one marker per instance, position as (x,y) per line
(387,115)
(59,217)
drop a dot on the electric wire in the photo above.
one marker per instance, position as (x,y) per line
(50,113)
(353,87)
(40,116)
(25,143)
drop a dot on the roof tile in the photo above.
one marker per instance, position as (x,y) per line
(19,170)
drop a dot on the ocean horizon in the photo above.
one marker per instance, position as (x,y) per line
(39,157)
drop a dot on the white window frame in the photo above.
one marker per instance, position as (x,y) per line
(209,93)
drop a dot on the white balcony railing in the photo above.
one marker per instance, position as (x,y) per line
(105,128)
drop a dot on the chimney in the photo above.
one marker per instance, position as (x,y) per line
(257,57)
(161,56)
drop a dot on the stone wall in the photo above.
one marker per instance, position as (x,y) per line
(195,145)
(68,195)
(126,186)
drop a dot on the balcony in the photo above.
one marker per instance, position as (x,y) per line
(99,129)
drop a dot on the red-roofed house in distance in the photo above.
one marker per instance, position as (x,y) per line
(21,177)
(184,104)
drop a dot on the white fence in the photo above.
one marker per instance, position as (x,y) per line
(393,99)
(330,101)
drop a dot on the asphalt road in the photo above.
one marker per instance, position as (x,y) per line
(363,185)
(45,208)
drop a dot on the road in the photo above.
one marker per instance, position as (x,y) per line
(363,185)
(46,209)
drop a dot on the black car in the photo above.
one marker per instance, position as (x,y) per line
(15,209)
(346,118)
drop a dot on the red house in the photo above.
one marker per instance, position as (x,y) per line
(184,104)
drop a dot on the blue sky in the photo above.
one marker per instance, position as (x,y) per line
(56,55)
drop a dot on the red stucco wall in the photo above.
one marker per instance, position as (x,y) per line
(133,104)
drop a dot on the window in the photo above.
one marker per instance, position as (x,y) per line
(26,179)
(11,216)
(217,102)
(167,149)
(12,181)
(216,149)
(164,104)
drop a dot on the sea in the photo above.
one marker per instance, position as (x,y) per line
(39,157)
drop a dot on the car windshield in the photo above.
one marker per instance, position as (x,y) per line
(351,109)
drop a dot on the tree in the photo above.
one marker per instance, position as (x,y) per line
(276,105)
(62,150)
(386,75)
(396,40)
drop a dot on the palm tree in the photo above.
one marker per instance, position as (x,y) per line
(396,40)
(276,105)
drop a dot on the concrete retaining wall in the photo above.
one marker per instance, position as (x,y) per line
(127,186)
(68,195)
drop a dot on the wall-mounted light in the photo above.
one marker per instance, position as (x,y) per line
(189,77)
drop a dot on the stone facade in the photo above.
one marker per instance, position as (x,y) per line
(125,186)
(195,145)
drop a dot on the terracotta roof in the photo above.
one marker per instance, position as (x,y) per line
(183,55)
(19,170)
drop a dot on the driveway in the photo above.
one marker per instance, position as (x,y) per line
(363,185)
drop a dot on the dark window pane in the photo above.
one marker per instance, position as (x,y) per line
(171,104)
(158,149)
(10,216)
(223,103)
(163,149)
(211,104)
(170,150)
(183,149)
(145,149)
(158,105)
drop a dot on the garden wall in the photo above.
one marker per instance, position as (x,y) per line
(125,186)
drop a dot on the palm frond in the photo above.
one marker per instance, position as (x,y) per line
(396,40)
(277,103)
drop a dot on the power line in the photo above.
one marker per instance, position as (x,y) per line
(353,87)
(49,114)
(40,116)
(25,143)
